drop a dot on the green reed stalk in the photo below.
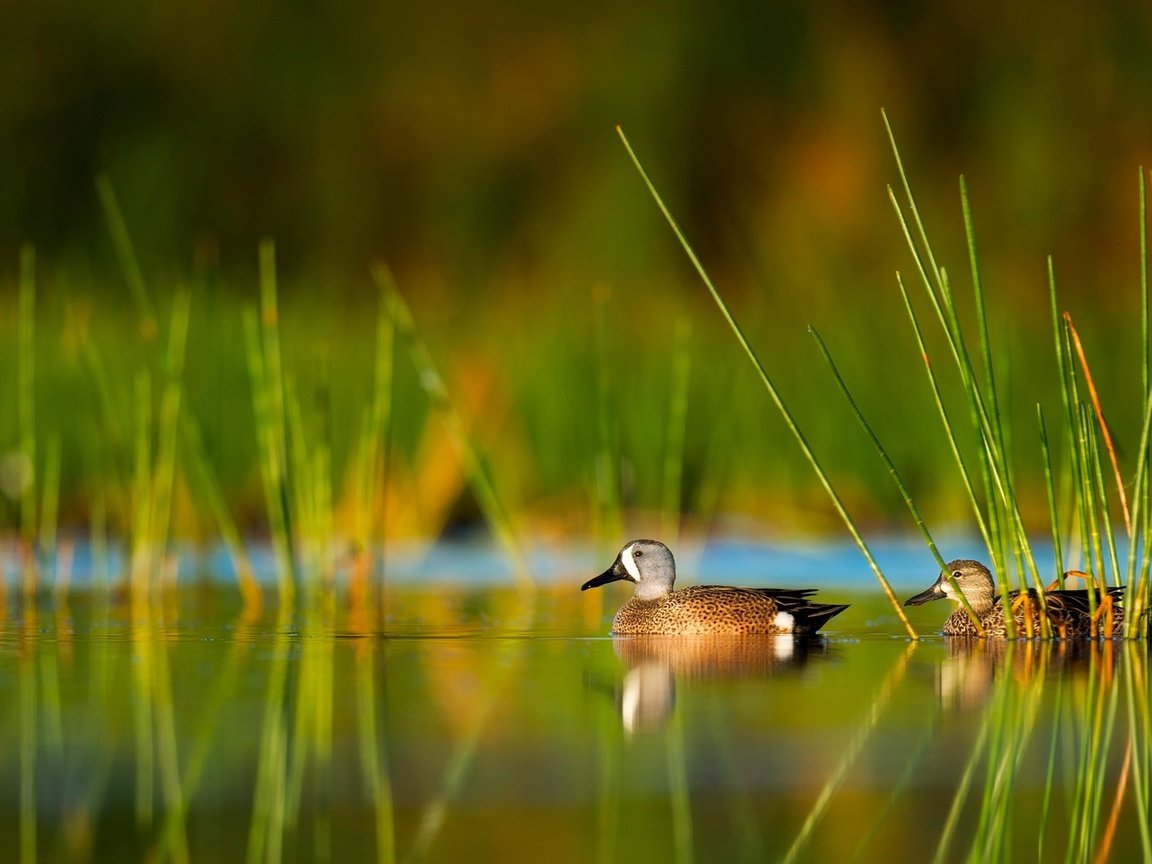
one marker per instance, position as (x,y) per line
(26,397)
(28,728)
(679,793)
(1016,712)
(789,420)
(203,738)
(312,725)
(1136,600)
(375,435)
(1088,490)
(607,786)
(266,831)
(1080,469)
(169,423)
(894,473)
(434,387)
(50,502)
(143,708)
(1105,515)
(676,429)
(1139,732)
(1050,773)
(998,420)
(1000,491)
(210,492)
(1100,708)
(609,510)
(912,762)
(1049,482)
(374,750)
(863,732)
(961,466)
(269,440)
(1145,341)
(98,543)
(987,421)
(460,760)
(744,815)
(301,490)
(142,490)
(981,315)
(126,254)
(166,745)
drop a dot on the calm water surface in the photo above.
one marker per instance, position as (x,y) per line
(473,724)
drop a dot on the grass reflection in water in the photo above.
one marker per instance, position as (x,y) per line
(324,736)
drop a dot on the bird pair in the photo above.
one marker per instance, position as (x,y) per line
(655,609)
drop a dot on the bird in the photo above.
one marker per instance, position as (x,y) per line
(657,610)
(1072,613)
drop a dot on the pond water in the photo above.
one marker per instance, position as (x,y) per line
(473,722)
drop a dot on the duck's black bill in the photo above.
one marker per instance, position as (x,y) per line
(935,592)
(613,574)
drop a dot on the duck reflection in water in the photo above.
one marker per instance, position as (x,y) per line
(966,677)
(647,697)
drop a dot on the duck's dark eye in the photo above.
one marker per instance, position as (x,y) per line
(637,553)
(955,574)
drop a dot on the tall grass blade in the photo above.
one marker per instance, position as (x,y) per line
(169,422)
(1095,397)
(609,515)
(894,473)
(676,429)
(374,750)
(28,726)
(750,352)
(210,492)
(679,793)
(270,440)
(50,502)
(26,408)
(437,392)
(961,466)
(122,242)
(142,511)
(1050,485)
(863,732)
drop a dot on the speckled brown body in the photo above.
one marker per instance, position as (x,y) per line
(703,610)
(1068,612)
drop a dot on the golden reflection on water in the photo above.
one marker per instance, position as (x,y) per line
(444,725)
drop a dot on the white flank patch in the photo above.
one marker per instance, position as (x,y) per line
(784,622)
(630,563)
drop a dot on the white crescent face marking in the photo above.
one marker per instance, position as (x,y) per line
(630,563)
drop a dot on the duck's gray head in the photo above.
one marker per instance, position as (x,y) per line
(648,563)
(972,577)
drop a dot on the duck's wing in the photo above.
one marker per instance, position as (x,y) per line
(1077,599)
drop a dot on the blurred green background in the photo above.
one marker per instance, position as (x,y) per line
(472,147)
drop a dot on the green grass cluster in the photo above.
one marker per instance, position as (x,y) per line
(986,469)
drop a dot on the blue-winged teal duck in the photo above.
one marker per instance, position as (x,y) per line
(656,610)
(1069,611)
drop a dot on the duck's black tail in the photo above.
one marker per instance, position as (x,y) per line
(810,617)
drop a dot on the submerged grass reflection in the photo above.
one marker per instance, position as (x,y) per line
(281,737)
